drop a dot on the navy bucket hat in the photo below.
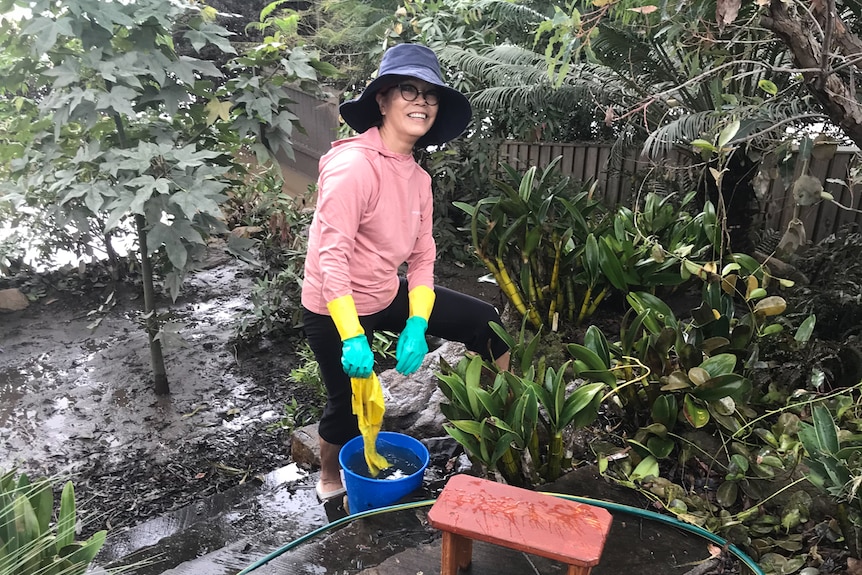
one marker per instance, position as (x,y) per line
(420,62)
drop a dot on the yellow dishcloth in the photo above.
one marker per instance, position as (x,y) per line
(367,402)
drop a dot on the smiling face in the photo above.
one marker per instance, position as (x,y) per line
(404,121)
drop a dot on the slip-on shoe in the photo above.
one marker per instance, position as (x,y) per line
(326,496)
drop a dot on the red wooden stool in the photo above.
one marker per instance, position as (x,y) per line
(470,508)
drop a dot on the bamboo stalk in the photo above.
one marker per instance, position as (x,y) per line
(597,301)
(509,468)
(584,305)
(509,288)
(555,456)
(533,447)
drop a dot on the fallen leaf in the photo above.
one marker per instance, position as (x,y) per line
(726,11)
(644,9)
(714,550)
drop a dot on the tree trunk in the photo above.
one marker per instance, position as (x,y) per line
(113,260)
(835,92)
(157,360)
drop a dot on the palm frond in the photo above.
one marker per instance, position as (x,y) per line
(765,121)
(680,131)
(516,13)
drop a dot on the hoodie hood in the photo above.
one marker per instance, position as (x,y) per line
(367,140)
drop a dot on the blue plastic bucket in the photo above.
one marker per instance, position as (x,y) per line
(364,493)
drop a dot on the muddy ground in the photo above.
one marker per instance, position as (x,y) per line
(77,400)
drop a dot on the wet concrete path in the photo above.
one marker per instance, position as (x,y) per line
(230,531)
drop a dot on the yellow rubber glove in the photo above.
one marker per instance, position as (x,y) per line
(357,359)
(412,347)
(421,300)
(367,403)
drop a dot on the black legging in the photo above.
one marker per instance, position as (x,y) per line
(455,317)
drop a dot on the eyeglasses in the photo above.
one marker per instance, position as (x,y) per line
(410,92)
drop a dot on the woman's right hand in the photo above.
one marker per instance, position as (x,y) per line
(356,357)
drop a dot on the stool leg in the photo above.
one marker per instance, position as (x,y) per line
(457,553)
(578,570)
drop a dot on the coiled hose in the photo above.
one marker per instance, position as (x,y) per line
(651,515)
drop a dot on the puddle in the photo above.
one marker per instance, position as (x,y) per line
(266,513)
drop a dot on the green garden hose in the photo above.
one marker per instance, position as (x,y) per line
(672,521)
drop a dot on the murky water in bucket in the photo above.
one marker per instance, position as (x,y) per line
(402,462)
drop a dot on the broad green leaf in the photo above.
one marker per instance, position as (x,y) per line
(609,263)
(768,86)
(500,424)
(193,202)
(721,364)
(727,493)
(591,259)
(472,379)
(728,385)
(648,467)
(298,64)
(467,440)
(739,462)
(42,500)
(470,426)
(665,410)
(185,68)
(45,32)
(596,341)
(578,401)
(119,100)
(490,402)
(88,551)
(824,428)
(728,133)
(210,34)
(803,334)
(530,352)
(703,145)
(67,518)
(696,415)
(454,389)
(588,356)
(660,447)
(500,447)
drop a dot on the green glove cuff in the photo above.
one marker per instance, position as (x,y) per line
(343,312)
(421,301)
(416,322)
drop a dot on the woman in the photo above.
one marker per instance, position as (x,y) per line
(374,212)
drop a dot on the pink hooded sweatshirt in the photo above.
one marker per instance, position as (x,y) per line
(374,212)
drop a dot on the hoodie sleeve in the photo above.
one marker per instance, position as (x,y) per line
(420,264)
(345,186)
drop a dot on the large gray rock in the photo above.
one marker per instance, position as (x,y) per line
(413,402)
(13,300)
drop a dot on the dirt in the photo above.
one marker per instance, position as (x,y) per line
(77,399)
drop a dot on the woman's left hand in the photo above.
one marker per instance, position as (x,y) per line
(412,346)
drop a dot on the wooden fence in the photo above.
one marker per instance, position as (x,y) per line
(618,176)
(319,118)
